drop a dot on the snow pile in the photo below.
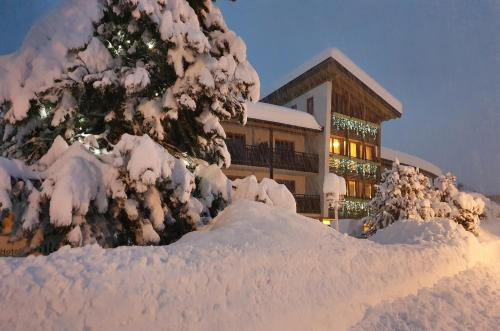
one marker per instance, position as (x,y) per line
(442,231)
(467,301)
(254,268)
(334,188)
(267,191)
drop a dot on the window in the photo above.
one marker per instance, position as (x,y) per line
(368,190)
(284,145)
(294,107)
(235,138)
(337,146)
(310,105)
(370,153)
(290,184)
(351,188)
(354,149)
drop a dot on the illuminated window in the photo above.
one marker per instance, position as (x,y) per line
(368,190)
(369,153)
(351,188)
(353,149)
(337,146)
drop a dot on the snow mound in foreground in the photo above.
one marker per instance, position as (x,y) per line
(432,232)
(255,268)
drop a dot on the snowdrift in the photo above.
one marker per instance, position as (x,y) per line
(255,268)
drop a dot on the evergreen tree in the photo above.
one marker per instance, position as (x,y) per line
(116,122)
(401,194)
(462,207)
(167,68)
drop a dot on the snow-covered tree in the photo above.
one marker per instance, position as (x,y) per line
(402,193)
(114,104)
(167,68)
(462,207)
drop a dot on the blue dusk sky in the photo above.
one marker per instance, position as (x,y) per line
(441,59)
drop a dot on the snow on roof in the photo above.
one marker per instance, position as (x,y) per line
(343,60)
(277,114)
(411,160)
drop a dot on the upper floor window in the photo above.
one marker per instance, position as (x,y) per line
(351,188)
(310,105)
(370,153)
(368,190)
(284,145)
(235,139)
(337,146)
(354,149)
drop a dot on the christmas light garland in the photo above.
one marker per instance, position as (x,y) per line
(342,165)
(359,127)
(354,207)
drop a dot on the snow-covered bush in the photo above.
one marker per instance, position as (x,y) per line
(463,208)
(405,193)
(267,191)
(137,194)
(402,193)
(107,101)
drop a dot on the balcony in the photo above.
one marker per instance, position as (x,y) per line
(260,156)
(354,168)
(353,208)
(307,204)
(344,126)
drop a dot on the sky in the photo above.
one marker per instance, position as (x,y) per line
(441,59)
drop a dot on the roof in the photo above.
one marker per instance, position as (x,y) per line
(345,62)
(282,115)
(411,160)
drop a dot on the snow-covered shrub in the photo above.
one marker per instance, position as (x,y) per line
(402,193)
(213,189)
(463,208)
(137,194)
(267,191)
(107,100)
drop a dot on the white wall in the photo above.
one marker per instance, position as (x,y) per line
(322,95)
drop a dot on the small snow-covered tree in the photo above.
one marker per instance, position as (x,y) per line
(403,193)
(462,207)
(116,105)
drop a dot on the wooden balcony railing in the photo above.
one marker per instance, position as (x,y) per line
(307,204)
(260,156)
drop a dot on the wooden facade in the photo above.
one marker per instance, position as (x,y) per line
(355,110)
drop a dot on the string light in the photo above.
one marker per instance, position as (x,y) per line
(342,165)
(359,127)
(150,44)
(354,207)
(43,112)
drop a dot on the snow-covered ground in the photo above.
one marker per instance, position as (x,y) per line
(263,268)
